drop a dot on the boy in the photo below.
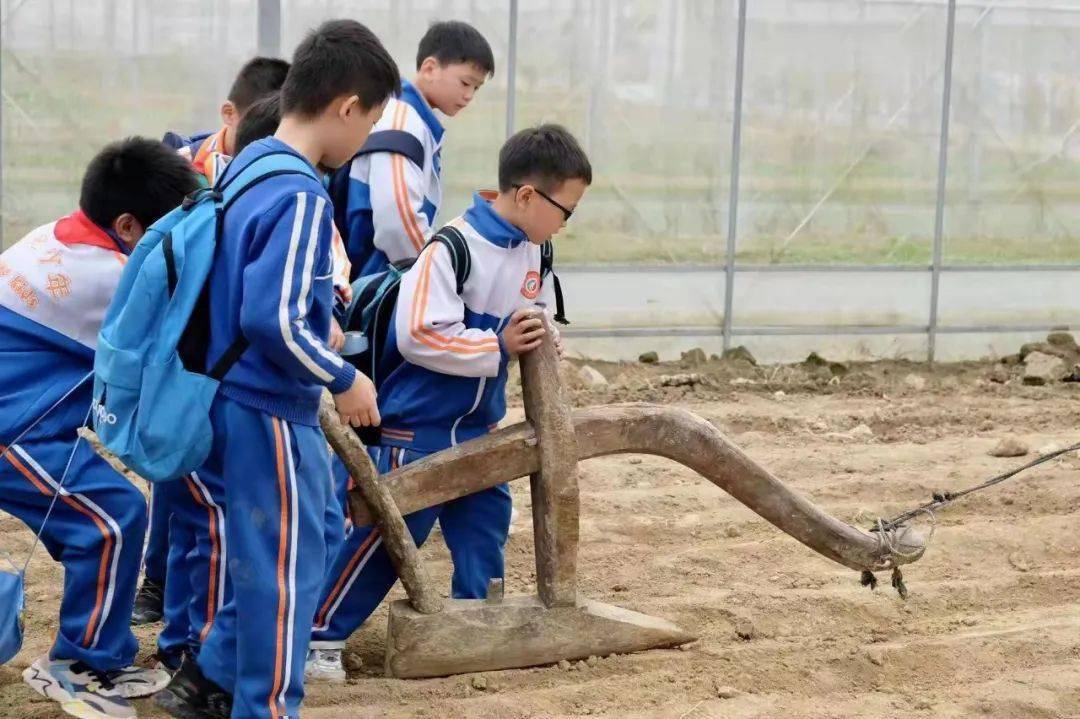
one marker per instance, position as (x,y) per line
(261,120)
(55,285)
(450,386)
(259,77)
(183,513)
(208,153)
(193,600)
(385,204)
(270,464)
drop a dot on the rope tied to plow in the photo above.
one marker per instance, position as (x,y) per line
(886,529)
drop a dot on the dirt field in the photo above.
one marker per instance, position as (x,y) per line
(992,626)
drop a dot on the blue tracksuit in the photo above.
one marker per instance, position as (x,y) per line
(385,207)
(55,285)
(282,521)
(271,282)
(193,592)
(196,587)
(450,388)
(475,529)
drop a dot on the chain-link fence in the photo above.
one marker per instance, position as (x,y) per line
(769,172)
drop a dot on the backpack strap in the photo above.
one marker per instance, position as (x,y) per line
(229,358)
(230,188)
(460,257)
(547,258)
(397,142)
(547,262)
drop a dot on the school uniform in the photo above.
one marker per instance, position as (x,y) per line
(386,209)
(206,152)
(55,285)
(271,283)
(192,512)
(449,389)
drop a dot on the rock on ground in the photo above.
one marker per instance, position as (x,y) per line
(1064,340)
(1009,447)
(694,357)
(681,380)
(739,353)
(1041,369)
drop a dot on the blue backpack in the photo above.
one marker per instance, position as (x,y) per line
(152,386)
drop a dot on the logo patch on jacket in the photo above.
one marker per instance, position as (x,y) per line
(530,288)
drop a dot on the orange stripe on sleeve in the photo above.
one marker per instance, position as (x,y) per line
(405,209)
(423,311)
(401,192)
(428,336)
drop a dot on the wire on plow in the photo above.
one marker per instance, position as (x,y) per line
(885,529)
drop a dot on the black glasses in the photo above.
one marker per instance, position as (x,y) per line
(566,211)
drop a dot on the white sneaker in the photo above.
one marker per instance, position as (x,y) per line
(81,691)
(134,682)
(324,665)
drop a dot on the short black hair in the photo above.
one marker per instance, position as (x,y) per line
(143,177)
(452,42)
(547,155)
(261,120)
(337,58)
(259,77)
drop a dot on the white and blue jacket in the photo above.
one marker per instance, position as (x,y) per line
(271,281)
(451,386)
(386,210)
(55,285)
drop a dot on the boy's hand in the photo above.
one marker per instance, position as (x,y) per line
(337,337)
(524,333)
(359,405)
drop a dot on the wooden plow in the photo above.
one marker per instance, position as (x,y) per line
(429,636)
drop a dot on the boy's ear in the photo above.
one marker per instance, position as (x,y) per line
(348,106)
(128,229)
(523,194)
(229,115)
(429,65)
